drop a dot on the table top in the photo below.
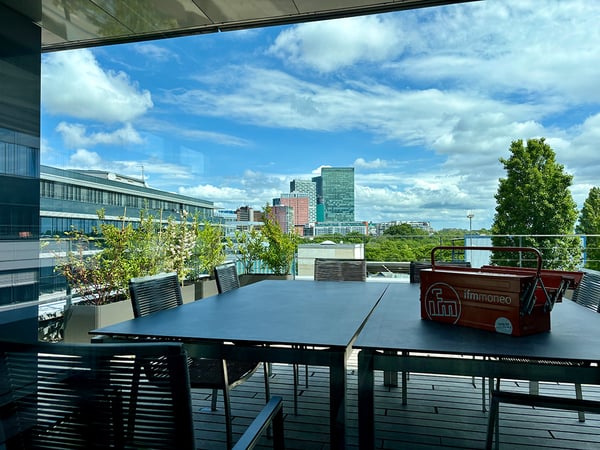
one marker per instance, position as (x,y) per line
(319,313)
(396,324)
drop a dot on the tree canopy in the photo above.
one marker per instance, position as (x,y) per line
(589,223)
(534,199)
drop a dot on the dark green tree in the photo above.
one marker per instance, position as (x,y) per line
(534,199)
(589,223)
(404,229)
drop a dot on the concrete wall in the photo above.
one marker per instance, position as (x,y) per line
(308,252)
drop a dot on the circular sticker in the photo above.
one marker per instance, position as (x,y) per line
(503,325)
(442,303)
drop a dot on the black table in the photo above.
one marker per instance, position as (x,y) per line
(396,339)
(304,322)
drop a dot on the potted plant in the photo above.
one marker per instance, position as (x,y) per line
(100,279)
(248,248)
(278,253)
(208,252)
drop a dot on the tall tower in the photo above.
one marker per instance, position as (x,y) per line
(308,187)
(337,192)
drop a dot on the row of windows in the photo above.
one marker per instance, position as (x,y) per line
(19,160)
(62,191)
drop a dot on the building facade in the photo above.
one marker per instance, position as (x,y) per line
(20,81)
(299,205)
(335,194)
(71,199)
(309,188)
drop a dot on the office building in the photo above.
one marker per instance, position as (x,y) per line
(335,194)
(71,199)
(299,205)
(309,188)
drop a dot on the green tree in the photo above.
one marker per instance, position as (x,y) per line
(404,229)
(534,199)
(279,252)
(209,250)
(248,247)
(589,223)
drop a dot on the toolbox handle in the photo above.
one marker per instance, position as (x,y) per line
(528,300)
(492,249)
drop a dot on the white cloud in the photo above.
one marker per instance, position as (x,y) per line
(84,159)
(76,135)
(155,52)
(330,45)
(377,163)
(74,85)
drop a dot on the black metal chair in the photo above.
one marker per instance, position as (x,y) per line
(81,396)
(95,396)
(158,292)
(227,277)
(586,294)
(329,269)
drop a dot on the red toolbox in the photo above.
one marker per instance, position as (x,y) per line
(509,300)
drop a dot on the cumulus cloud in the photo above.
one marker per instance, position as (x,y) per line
(331,45)
(75,85)
(84,159)
(76,135)
(377,163)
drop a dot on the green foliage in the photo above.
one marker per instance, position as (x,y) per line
(129,252)
(411,248)
(248,247)
(209,249)
(534,199)
(404,229)
(280,248)
(589,223)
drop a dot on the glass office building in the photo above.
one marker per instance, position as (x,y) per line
(337,194)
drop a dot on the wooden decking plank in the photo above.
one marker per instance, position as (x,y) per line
(442,413)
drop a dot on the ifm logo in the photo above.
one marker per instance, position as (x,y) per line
(442,303)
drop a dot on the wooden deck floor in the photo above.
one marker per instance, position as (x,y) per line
(442,413)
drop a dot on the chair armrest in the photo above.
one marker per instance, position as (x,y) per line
(271,414)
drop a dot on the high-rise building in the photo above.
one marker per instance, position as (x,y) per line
(309,188)
(284,216)
(335,194)
(299,204)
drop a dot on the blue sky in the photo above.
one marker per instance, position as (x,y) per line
(421,103)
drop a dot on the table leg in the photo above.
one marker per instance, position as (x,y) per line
(366,402)
(337,400)
(390,378)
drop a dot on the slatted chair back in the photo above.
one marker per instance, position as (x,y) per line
(227,277)
(155,293)
(81,397)
(588,291)
(329,269)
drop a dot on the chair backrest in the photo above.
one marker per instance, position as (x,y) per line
(90,396)
(588,291)
(155,293)
(329,269)
(227,277)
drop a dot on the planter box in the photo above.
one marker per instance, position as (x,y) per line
(80,319)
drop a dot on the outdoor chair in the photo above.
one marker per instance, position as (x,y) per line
(227,277)
(586,294)
(329,269)
(158,292)
(588,291)
(81,396)
(533,400)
